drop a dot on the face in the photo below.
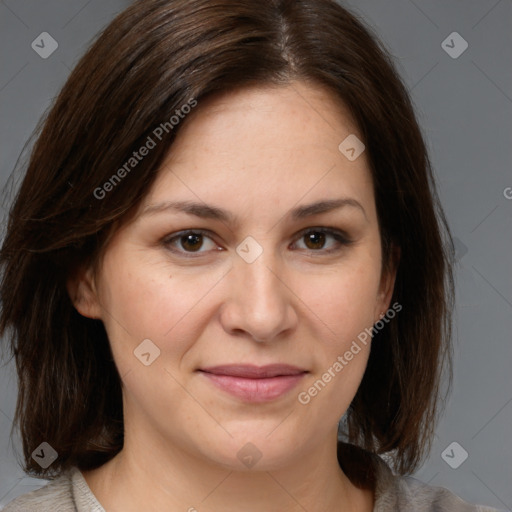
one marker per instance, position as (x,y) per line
(248,296)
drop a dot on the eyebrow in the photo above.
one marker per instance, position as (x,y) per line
(206,211)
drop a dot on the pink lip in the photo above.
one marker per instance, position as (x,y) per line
(254,383)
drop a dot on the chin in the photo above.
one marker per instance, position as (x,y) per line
(254,450)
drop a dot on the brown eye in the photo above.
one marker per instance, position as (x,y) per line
(189,242)
(315,239)
(192,241)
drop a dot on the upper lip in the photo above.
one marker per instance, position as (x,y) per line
(250,371)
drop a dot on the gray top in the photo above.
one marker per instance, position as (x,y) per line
(70,492)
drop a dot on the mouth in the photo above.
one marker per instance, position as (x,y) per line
(255,383)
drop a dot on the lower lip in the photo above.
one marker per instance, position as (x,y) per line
(255,390)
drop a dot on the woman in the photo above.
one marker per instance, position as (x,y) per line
(227,239)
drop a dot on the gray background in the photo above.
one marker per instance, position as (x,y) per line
(464,105)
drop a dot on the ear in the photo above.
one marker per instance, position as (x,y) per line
(82,291)
(387,283)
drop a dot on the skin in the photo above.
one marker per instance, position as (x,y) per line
(259,153)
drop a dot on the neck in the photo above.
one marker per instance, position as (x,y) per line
(147,475)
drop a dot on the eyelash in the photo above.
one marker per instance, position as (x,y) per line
(342,239)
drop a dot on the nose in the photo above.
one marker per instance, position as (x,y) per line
(260,303)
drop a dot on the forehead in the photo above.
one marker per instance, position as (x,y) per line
(264,147)
(294,117)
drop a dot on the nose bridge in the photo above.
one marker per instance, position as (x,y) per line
(260,281)
(260,303)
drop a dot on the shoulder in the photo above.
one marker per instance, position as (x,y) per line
(55,495)
(404,493)
(394,493)
(407,493)
(67,492)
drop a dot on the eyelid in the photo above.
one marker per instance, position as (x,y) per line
(328,230)
(339,235)
(178,234)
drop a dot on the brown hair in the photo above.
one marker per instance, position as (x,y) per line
(151,60)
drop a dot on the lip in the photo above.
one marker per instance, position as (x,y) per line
(255,383)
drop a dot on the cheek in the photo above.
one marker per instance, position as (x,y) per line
(344,308)
(343,304)
(142,300)
(345,300)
